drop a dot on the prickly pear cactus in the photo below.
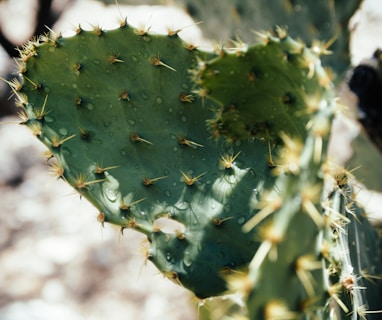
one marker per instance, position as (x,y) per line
(151,130)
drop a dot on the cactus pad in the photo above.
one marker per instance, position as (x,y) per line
(143,127)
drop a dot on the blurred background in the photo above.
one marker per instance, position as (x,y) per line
(56,261)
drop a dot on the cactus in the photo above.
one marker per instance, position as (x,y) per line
(218,158)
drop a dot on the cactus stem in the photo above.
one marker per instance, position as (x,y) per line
(190,180)
(156,61)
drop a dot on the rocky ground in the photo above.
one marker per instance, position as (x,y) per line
(58,263)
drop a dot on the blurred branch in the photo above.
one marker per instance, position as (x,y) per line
(44,17)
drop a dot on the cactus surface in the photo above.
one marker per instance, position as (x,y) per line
(131,131)
(218,158)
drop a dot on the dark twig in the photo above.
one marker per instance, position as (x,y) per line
(45,17)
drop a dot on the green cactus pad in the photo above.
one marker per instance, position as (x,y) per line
(128,127)
(257,92)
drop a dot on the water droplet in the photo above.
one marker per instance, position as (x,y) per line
(131,122)
(187,259)
(96,61)
(66,151)
(158,100)
(170,110)
(183,118)
(137,166)
(110,188)
(167,193)
(168,256)
(49,118)
(110,106)
(135,59)
(123,152)
(63,131)
(144,95)
(52,49)
(166,172)
(74,85)
(110,193)
(182,205)
(90,106)
(241,220)
(185,86)
(107,123)
(175,149)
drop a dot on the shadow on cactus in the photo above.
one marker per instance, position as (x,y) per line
(190,147)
